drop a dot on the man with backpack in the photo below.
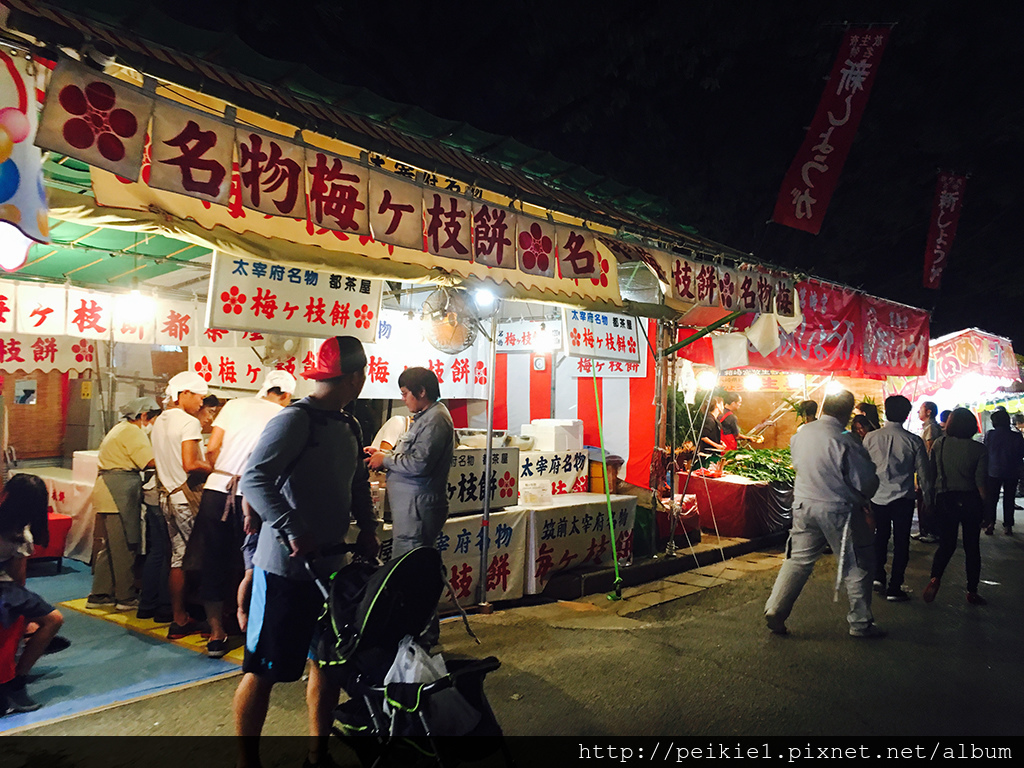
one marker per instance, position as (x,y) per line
(304,480)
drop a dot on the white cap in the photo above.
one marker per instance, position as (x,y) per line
(280,379)
(186,380)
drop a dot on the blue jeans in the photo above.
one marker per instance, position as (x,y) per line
(813,527)
(156,595)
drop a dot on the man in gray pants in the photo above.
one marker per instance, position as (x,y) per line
(835,479)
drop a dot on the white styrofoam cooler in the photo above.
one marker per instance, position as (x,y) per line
(555,434)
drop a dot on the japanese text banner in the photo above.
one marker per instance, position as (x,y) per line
(895,339)
(41,309)
(949,200)
(31,352)
(812,178)
(250,294)
(191,154)
(601,335)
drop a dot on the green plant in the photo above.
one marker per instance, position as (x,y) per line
(762,465)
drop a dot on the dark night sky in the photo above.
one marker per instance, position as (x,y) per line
(706,104)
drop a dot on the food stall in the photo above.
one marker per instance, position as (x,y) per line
(834,338)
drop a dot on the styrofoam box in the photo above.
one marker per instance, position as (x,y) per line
(555,434)
(84,466)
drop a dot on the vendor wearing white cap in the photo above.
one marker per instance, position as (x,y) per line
(117,500)
(178,449)
(235,431)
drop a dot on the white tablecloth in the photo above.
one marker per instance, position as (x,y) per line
(68,497)
(572,531)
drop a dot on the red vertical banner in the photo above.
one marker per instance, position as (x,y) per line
(641,420)
(949,200)
(812,178)
(501,391)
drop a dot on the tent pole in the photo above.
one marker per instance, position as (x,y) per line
(485,521)
(702,333)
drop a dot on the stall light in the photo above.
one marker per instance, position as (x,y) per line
(137,307)
(484,298)
(795,381)
(833,387)
(13,247)
(707,379)
(752,382)
(544,340)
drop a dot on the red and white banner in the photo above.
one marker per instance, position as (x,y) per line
(812,178)
(951,358)
(949,201)
(601,335)
(191,154)
(177,323)
(250,294)
(40,309)
(895,338)
(90,314)
(529,336)
(30,352)
(94,118)
(544,474)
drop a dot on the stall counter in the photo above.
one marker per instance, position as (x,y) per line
(738,507)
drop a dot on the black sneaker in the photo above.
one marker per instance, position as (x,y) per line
(58,644)
(18,699)
(897,596)
(216,649)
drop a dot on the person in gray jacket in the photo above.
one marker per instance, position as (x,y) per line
(418,466)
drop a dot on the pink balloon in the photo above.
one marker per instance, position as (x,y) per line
(16,123)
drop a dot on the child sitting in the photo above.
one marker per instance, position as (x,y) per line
(23,520)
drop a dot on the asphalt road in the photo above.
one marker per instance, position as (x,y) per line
(704,665)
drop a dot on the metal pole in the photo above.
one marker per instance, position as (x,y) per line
(485,521)
(702,333)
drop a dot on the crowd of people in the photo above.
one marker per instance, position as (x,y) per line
(859,482)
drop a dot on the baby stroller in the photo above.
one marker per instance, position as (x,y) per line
(371,615)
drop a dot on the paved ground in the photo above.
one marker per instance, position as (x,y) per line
(691,656)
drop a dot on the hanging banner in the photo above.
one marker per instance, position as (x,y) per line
(237,368)
(577,252)
(728,288)
(338,193)
(785,303)
(31,352)
(895,338)
(600,335)
(535,246)
(684,280)
(94,118)
(396,211)
(272,173)
(949,200)
(191,154)
(215,337)
(248,294)
(8,304)
(529,336)
(90,314)
(40,309)
(493,230)
(176,323)
(706,284)
(448,224)
(22,199)
(545,474)
(812,178)
(987,357)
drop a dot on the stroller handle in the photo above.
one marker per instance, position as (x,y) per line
(340,548)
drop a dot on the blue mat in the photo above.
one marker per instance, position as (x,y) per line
(106,664)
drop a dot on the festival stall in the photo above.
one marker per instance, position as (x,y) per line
(822,337)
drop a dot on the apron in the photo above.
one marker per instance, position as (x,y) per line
(125,487)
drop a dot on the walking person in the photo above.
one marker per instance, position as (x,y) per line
(219,521)
(1005,456)
(899,457)
(960,468)
(117,499)
(305,479)
(927,527)
(181,467)
(835,478)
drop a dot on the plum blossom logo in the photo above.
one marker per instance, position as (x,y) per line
(96,120)
(603,279)
(363,316)
(727,290)
(204,369)
(574,337)
(536,248)
(505,485)
(83,351)
(234,300)
(480,373)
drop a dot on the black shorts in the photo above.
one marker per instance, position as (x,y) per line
(283,615)
(16,601)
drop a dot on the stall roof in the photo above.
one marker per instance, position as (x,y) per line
(223,65)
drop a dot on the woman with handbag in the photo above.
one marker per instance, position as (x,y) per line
(960,468)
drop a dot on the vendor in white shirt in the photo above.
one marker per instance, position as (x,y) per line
(235,432)
(388,435)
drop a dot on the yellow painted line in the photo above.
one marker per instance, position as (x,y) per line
(148,627)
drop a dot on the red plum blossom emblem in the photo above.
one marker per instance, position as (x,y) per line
(234,300)
(363,316)
(97,120)
(83,351)
(536,248)
(506,484)
(204,369)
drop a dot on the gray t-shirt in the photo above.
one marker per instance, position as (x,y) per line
(325,487)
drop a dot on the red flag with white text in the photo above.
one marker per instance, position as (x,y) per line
(813,175)
(949,200)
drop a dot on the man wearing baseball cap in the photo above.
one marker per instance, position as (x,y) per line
(235,431)
(180,466)
(305,479)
